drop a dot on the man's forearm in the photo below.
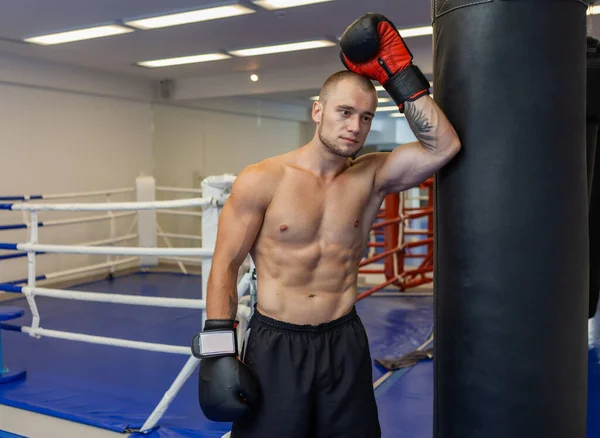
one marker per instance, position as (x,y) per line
(221,297)
(430,125)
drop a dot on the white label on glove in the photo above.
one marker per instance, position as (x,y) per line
(215,343)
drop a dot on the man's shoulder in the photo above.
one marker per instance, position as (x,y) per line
(258,180)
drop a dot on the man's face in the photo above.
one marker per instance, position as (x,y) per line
(344,120)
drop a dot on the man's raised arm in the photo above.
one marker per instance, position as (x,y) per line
(371,46)
(411,164)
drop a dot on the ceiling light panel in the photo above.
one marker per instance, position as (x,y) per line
(387,108)
(284,4)
(281,48)
(184,60)
(188,17)
(416,31)
(78,35)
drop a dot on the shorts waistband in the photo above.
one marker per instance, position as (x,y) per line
(306,328)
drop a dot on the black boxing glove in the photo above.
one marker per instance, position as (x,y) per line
(227,388)
(371,46)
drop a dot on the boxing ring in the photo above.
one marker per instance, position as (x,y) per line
(154,359)
(395,232)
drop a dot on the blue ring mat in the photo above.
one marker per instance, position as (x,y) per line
(117,388)
(5,434)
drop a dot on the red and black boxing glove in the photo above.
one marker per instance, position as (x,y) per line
(372,47)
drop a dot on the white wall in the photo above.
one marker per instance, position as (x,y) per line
(47,75)
(60,134)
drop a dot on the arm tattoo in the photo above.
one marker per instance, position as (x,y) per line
(422,121)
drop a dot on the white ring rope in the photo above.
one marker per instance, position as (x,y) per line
(177,190)
(115,250)
(115,342)
(179,303)
(218,186)
(161,408)
(104,206)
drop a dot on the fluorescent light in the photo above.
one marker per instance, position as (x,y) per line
(397,115)
(593,10)
(184,60)
(282,4)
(387,108)
(314,98)
(78,35)
(190,17)
(280,48)
(416,31)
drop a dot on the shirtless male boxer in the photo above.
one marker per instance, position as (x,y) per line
(305,217)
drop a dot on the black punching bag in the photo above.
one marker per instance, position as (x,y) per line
(593,167)
(511,268)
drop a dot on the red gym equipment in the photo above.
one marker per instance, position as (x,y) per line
(400,241)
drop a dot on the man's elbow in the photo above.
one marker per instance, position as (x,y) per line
(454,146)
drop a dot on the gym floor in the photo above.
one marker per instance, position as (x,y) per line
(76,389)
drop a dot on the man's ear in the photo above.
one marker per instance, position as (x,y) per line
(317,111)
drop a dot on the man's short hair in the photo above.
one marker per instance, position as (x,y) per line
(331,82)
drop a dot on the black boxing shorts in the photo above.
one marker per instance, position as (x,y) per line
(316,381)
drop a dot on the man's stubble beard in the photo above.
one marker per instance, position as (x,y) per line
(333,148)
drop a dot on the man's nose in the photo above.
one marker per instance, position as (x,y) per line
(354,124)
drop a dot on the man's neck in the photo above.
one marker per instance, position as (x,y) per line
(317,158)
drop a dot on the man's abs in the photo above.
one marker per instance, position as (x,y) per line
(310,244)
(307,285)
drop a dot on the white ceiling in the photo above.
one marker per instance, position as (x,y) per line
(118,54)
(22,18)
(284,77)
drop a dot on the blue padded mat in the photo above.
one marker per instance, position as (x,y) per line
(117,388)
(406,406)
(395,326)
(5,434)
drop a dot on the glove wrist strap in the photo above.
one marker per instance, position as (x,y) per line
(407,85)
(220,324)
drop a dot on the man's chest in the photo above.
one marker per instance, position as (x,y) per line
(338,214)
